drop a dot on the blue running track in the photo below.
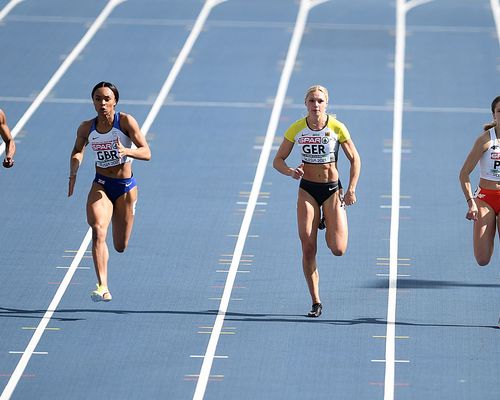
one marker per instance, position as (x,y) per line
(167,333)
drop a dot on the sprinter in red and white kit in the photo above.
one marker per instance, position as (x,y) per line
(113,195)
(319,137)
(484,203)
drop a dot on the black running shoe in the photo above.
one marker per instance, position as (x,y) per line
(322,225)
(316,310)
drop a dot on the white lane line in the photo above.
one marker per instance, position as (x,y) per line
(495,9)
(30,349)
(179,62)
(402,7)
(8,8)
(63,68)
(9,389)
(298,32)
(415,3)
(236,104)
(42,326)
(399,65)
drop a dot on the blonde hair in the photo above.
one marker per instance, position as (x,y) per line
(314,88)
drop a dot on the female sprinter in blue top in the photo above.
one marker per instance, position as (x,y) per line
(319,137)
(113,194)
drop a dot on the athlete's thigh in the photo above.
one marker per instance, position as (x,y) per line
(308,216)
(123,215)
(335,219)
(485,227)
(99,207)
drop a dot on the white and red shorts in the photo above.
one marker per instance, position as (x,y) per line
(490,197)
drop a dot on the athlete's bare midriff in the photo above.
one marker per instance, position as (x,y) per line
(487,184)
(321,173)
(122,171)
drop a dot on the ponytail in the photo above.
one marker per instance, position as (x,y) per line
(487,127)
(493,124)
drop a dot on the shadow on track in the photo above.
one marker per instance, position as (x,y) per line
(428,284)
(236,317)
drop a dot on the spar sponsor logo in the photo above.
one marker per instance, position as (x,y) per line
(310,140)
(106,153)
(496,163)
(104,146)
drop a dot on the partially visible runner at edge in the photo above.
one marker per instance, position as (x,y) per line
(484,204)
(10,145)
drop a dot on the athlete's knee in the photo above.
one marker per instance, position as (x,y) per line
(120,247)
(98,233)
(482,261)
(338,252)
(336,249)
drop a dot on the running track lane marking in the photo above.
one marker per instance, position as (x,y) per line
(495,9)
(298,32)
(209,4)
(63,68)
(42,326)
(23,362)
(8,8)
(402,8)
(223,104)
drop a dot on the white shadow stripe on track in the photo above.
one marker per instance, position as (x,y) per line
(298,32)
(63,68)
(8,8)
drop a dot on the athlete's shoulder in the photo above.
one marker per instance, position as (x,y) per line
(295,128)
(483,140)
(298,125)
(127,123)
(333,122)
(486,136)
(86,125)
(339,128)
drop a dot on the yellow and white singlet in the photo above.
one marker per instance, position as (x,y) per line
(318,146)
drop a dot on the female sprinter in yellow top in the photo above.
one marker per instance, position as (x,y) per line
(319,137)
(113,193)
